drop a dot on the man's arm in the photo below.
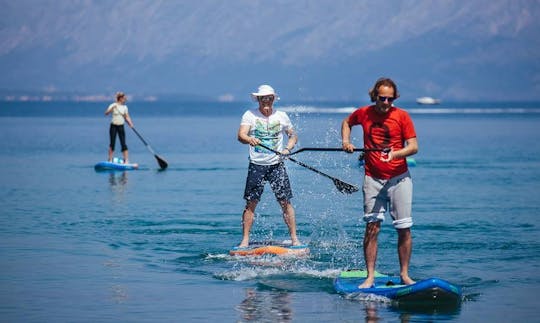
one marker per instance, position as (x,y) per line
(346,136)
(243,136)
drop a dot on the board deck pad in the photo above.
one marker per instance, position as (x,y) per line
(431,290)
(270,248)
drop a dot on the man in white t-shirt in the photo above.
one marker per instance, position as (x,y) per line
(267,126)
(120,115)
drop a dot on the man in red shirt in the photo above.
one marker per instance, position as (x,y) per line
(387,182)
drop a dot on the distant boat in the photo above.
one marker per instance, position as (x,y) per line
(427,100)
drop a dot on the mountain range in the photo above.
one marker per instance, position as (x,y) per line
(308,50)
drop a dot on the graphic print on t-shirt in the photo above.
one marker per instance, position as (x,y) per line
(268,133)
(379,135)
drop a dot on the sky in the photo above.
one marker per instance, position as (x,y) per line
(473,50)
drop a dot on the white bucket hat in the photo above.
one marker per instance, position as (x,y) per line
(264,90)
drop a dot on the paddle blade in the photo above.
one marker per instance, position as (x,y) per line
(345,188)
(162,163)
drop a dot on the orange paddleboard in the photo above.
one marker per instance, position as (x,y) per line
(270,248)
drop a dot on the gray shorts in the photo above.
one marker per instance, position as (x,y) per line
(394,194)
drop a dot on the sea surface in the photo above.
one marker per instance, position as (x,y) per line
(78,245)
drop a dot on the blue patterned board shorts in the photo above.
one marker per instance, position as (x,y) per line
(276,175)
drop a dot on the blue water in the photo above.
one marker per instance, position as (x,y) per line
(149,245)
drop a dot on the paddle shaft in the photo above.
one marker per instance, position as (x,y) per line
(340,185)
(310,168)
(144,141)
(337,149)
(162,163)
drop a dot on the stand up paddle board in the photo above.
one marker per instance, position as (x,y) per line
(115,164)
(271,248)
(431,290)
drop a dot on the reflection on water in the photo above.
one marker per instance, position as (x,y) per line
(117,183)
(376,308)
(372,314)
(118,179)
(372,309)
(409,312)
(273,306)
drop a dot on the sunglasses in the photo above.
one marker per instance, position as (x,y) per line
(386,98)
(266,98)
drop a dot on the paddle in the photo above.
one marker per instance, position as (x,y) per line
(340,185)
(162,163)
(337,149)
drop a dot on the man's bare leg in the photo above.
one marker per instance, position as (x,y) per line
(404,252)
(290,219)
(370,252)
(247,222)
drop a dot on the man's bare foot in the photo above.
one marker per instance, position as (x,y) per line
(243,244)
(368,283)
(296,242)
(407,280)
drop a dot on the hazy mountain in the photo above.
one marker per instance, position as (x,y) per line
(454,50)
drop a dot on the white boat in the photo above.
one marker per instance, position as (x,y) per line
(427,100)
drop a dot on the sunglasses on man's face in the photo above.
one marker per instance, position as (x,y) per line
(266,98)
(386,98)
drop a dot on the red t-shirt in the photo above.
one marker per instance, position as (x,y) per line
(391,129)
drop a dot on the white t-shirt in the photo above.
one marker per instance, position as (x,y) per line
(118,113)
(270,131)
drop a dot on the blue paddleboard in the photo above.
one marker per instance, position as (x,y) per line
(116,164)
(431,290)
